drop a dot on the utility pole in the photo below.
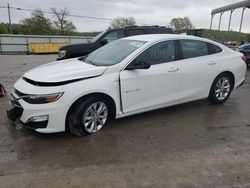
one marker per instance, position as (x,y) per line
(211,23)
(242,16)
(8,6)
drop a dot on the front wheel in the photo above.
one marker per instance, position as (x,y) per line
(221,89)
(88,117)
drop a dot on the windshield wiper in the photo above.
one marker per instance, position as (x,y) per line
(86,61)
(90,62)
(83,58)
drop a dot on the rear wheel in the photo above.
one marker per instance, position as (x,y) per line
(88,117)
(221,89)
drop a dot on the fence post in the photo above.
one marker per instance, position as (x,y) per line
(27,44)
(1,50)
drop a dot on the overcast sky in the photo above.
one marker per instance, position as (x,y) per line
(150,12)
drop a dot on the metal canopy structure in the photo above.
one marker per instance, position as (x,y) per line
(243,4)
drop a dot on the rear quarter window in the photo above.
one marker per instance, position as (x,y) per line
(213,49)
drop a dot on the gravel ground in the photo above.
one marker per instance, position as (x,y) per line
(191,145)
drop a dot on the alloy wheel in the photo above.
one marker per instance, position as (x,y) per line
(222,88)
(95,117)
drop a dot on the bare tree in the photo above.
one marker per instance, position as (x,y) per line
(63,25)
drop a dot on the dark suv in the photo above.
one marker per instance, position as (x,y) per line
(77,50)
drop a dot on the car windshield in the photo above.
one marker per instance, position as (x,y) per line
(97,36)
(113,52)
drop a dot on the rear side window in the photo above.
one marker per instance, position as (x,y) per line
(193,48)
(114,35)
(159,31)
(213,49)
(132,32)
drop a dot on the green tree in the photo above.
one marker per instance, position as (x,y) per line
(3,29)
(181,24)
(38,24)
(62,25)
(122,22)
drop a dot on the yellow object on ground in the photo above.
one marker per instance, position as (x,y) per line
(237,47)
(43,48)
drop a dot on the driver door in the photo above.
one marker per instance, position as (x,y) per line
(157,86)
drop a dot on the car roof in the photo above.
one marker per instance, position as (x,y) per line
(158,37)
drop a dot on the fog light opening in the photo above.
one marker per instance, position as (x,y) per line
(38,118)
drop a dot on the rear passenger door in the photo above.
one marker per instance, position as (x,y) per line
(197,68)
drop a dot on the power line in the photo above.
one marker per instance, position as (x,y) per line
(71,15)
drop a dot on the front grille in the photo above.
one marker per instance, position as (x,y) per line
(14,101)
(15,113)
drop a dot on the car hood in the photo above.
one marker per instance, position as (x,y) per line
(75,44)
(66,70)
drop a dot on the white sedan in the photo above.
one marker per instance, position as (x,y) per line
(125,77)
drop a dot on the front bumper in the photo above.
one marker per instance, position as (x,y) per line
(28,115)
(15,114)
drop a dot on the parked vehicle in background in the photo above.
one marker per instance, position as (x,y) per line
(245,49)
(125,77)
(77,50)
(233,45)
(2,91)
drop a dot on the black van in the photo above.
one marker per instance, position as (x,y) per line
(77,50)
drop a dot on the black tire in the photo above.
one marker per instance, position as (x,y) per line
(76,117)
(212,95)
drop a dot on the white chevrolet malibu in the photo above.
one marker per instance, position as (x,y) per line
(125,77)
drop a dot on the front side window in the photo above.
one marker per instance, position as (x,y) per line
(113,52)
(162,52)
(114,35)
(193,48)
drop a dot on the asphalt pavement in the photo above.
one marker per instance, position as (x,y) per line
(190,145)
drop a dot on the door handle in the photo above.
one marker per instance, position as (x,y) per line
(173,69)
(212,63)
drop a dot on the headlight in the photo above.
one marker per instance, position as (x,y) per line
(61,53)
(42,99)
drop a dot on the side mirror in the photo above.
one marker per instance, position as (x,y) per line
(138,65)
(104,41)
